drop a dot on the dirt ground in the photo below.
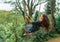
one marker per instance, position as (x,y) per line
(54,40)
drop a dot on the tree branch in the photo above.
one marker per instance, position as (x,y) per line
(28,3)
(21,9)
(38,4)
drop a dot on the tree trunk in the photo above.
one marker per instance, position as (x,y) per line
(24,13)
(30,12)
(52,14)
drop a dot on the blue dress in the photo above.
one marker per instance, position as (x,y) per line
(28,27)
(32,27)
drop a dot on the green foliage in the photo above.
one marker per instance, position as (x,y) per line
(11,29)
(58,24)
(48,6)
(36,15)
(9,23)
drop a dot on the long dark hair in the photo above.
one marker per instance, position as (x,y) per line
(45,22)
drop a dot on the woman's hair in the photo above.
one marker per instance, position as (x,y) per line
(45,22)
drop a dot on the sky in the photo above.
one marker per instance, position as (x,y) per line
(8,7)
(4,6)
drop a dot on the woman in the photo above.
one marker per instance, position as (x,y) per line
(44,21)
(34,26)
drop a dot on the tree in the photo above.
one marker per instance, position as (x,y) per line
(26,7)
(48,8)
(52,2)
(36,15)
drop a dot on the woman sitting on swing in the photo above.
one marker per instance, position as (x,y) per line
(34,26)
